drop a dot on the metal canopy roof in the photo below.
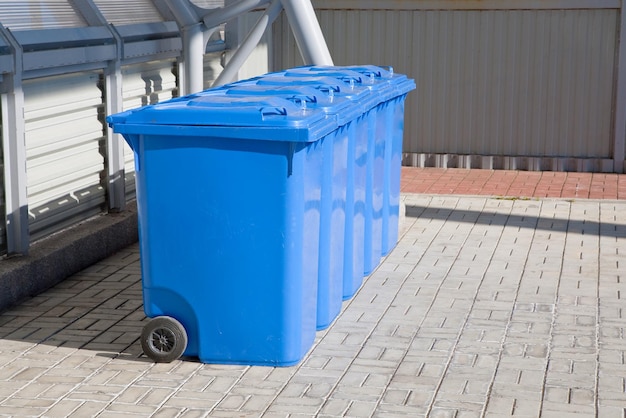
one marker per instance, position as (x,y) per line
(46,37)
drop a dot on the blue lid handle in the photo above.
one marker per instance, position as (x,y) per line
(273,111)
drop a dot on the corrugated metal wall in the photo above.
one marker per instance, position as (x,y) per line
(495,88)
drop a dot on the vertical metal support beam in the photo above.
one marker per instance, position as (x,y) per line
(14,147)
(116,176)
(193,59)
(249,44)
(619,141)
(191,70)
(306,29)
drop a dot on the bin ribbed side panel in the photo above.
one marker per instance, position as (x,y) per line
(515,83)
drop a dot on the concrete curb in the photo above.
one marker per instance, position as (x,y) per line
(55,258)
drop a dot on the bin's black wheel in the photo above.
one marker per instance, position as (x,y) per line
(164,339)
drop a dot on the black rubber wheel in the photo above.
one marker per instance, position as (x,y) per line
(164,339)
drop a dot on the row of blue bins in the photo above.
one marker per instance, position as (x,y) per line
(262,204)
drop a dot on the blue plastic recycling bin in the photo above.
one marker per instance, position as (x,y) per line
(334,177)
(375,155)
(392,110)
(229,195)
(361,99)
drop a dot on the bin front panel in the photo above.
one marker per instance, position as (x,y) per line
(222,241)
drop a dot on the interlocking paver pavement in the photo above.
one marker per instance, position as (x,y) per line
(486,308)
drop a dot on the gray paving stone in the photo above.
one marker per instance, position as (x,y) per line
(486,307)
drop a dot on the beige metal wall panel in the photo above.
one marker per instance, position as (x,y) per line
(514,83)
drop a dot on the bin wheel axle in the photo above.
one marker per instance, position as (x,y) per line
(164,339)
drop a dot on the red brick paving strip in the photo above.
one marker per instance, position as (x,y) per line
(509,183)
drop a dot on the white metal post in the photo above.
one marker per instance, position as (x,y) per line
(14,158)
(193,45)
(14,147)
(247,47)
(193,58)
(306,29)
(116,183)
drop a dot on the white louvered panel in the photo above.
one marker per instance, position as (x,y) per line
(529,83)
(143,84)
(36,14)
(76,169)
(64,160)
(120,12)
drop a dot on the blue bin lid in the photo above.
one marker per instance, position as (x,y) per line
(401,83)
(214,113)
(380,88)
(342,108)
(330,85)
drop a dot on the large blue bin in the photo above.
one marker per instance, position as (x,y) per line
(376,121)
(384,152)
(361,102)
(229,194)
(391,112)
(335,180)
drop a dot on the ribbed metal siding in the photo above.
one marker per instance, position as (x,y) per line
(534,83)
(64,161)
(36,14)
(144,84)
(121,12)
